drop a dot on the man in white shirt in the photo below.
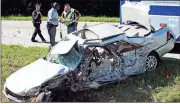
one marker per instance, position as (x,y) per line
(52,22)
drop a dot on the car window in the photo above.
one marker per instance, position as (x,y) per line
(112,47)
(120,47)
(70,59)
(124,47)
(86,34)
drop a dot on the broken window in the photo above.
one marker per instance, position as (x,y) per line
(119,47)
(124,47)
(71,59)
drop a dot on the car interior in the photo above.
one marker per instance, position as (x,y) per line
(114,48)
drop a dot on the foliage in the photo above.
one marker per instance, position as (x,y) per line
(85,7)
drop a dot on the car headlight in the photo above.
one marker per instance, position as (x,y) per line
(33,91)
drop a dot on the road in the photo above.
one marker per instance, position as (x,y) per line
(20,32)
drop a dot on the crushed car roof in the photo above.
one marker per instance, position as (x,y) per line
(66,44)
(105,30)
(63,46)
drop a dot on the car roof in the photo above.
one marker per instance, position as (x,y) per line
(64,46)
(105,30)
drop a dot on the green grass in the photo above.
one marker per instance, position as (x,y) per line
(15,57)
(82,19)
(148,87)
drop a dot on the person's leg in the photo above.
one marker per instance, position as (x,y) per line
(68,29)
(48,28)
(34,34)
(71,29)
(75,27)
(39,32)
(52,35)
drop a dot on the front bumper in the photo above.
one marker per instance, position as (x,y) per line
(12,96)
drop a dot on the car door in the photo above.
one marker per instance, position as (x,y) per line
(127,52)
(126,56)
(130,61)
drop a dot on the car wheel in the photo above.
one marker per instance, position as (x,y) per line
(41,97)
(152,62)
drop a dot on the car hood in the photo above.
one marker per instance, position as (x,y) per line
(136,12)
(33,75)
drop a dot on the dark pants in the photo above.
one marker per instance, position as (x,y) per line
(37,31)
(52,33)
(71,28)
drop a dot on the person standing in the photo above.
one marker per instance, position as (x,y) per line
(70,18)
(36,19)
(52,22)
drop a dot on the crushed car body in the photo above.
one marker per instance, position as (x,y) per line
(89,58)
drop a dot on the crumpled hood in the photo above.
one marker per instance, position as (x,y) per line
(33,75)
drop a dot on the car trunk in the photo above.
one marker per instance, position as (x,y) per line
(136,12)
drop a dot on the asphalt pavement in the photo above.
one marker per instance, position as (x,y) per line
(20,32)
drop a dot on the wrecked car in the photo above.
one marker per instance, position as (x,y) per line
(90,58)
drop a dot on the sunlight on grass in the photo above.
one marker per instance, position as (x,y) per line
(168,94)
(15,57)
(82,19)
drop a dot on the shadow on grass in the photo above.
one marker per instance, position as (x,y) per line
(139,88)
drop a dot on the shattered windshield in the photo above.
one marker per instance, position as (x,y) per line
(71,59)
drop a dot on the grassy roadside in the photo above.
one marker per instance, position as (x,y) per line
(15,57)
(82,19)
(149,87)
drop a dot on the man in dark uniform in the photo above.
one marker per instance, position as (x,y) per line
(36,16)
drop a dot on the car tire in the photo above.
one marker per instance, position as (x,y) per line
(152,62)
(41,97)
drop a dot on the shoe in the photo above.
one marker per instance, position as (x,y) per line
(44,41)
(49,48)
(34,40)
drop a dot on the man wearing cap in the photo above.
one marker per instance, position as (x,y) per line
(52,22)
(70,18)
(36,19)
